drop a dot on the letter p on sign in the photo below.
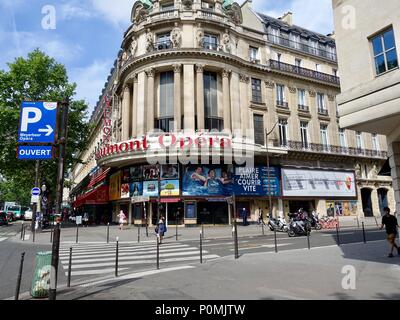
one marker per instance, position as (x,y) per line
(30,115)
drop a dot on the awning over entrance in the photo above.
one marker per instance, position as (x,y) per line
(95,197)
(99,177)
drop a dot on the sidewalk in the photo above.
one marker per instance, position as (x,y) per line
(297,274)
(130,233)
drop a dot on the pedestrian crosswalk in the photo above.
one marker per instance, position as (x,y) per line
(6,235)
(99,259)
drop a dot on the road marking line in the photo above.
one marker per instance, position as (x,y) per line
(269,246)
(135,275)
(126,253)
(123,250)
(94,272)
(127,263)
(2,239)
(133,257)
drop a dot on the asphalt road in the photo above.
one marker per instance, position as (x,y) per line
(97,260)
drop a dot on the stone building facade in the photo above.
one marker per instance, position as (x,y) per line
(214,65)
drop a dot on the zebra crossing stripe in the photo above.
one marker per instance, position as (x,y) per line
(134,257)
(112,246)
(2,239)
(94,272)
(122,252)
(129,263)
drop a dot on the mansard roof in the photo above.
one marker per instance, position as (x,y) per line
(277,23)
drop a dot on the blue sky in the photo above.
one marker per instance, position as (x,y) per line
(88,33)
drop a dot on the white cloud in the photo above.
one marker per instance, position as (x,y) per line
(118,14)
(71,11)
(90,81)
(16,44)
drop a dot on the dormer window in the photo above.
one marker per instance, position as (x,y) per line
(207,5)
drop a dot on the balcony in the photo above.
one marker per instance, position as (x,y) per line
(209,14)
(303,108)
(335,150)
(282,104)
(308,73)
(212,46)
(165,14)
(305,48)
(163,45)
(323,112)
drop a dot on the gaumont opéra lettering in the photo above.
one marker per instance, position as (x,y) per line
(218,310)
(164,141)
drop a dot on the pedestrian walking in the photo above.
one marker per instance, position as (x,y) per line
(122,219)
(244,214)
(391,224)
(85,219)
(161,228)
(260,216)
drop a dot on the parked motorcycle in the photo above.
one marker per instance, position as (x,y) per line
(298,225)
(279,225)
(314,222)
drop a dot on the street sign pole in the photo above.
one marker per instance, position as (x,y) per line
(34,208)
(62,142)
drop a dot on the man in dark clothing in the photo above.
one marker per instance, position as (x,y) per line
(391,224)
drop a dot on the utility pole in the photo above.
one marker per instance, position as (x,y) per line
(62,143)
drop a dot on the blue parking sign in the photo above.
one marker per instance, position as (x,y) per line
(38,122)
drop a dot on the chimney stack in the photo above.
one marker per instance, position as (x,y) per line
(288,18)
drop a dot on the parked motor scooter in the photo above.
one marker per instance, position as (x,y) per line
(279,225)
(298,226)
(314,222)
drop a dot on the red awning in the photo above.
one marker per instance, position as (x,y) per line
(170,200)
(95,197)
(97,178)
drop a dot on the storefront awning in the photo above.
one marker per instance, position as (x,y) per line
(99,178)
(170,200)
(96,197)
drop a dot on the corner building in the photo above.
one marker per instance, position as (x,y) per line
(214,65)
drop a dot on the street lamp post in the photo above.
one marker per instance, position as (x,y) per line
(269,174)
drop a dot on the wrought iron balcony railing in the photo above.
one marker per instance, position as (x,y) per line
(323,112)
(163,45)
(303,108)
(302,47)
(282,104)
(212,46)
(322,148)
(277,65)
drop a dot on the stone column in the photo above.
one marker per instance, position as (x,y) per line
(150,100)
(227,99)
(141,102)
(177,97)
(188,97)
(134,105)
(244,103)
(394,160)
(235,102)
(125,113)
(200,96)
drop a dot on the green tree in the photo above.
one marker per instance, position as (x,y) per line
(38,77)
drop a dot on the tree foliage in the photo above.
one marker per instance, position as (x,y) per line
(36,78)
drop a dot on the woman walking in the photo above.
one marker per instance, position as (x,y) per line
(122,219)
(161,229)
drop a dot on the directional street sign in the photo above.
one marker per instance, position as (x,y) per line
(38,122)
(35,152)
(35,192)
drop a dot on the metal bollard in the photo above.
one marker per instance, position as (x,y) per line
(363,229)
(236,241)
(176,229)
(201,247)
(34,235)
(77,233)
(108,233)
(337,235)
(116,258)
(51,233)
(138,234)
(276,241)
(22,230)
(308,240)
(202,230)
(21,265)
(23,235)
(158,252)
(147,229)
(69,268)
(262,226)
